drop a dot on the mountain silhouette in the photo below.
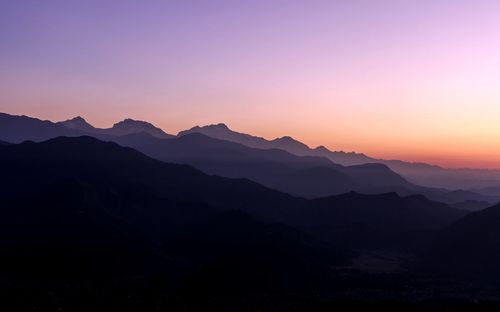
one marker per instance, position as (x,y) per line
(373,173)
(92,219)
(416,172)
(489,191)
(16,129)
(125,127)
(78,123)
(308,176)
(30,167)
(366,220)
(222,132)
(272,172)
(86,213)
(129,126)
(287,143)
(274,168)
(471,205)
(470,247)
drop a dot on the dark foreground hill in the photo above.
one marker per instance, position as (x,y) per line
(86,222)
(470,247)
(81,217)
(33,167)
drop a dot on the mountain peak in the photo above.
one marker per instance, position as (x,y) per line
(222,132)
(218,127)
(221,126)
(130,126)
(218,131)
(321,148)
(131,121)
(290,144)
(79,119)
(77,122)
(286,138)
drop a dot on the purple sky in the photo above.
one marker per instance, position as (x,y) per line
(417,80)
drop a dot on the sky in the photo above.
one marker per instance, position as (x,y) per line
(417,80)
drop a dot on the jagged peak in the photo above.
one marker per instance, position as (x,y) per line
(221,126)
(129,125)
(351,153)
(288,140)
(285,138)
(130,120)
(78,118)
(77,122)
(322,148)
(134,122)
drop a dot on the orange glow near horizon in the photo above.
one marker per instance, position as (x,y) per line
(467,149)
(417,81)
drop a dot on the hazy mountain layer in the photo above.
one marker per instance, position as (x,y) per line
(419,173)
(90,219)
(33,167)
(306,176)
(125,127)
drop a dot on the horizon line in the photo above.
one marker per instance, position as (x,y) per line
(267,139)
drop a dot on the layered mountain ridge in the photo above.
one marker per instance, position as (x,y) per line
(419,173)
(117,218)
(16,129)
(124,127)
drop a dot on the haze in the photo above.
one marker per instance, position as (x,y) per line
(413,80)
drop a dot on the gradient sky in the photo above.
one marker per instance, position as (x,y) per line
(410,79)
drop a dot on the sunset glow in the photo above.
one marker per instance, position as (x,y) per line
(412,80)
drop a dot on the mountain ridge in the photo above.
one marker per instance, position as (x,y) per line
(124,127)
(418,173)
(108,163)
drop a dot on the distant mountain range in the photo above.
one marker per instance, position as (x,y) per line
(127,126)
(289,144)
(88,214)
(16,129)
(84,217)
(283,164)
(168,193)
(308,176)
(419,173)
